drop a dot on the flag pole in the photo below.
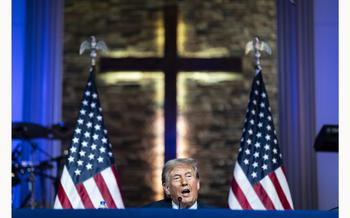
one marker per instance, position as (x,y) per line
(259,181)
(89,175)
(257,46)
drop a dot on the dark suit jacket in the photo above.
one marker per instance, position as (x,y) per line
(166,203)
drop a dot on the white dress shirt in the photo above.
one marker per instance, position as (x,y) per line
(176,206)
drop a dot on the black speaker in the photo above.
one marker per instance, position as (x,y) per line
(327,139)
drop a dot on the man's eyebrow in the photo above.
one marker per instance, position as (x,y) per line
(179,174)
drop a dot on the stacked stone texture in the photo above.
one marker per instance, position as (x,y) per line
(214,112)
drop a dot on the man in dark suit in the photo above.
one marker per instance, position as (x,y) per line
(180,180)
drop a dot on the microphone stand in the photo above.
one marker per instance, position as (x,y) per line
(179,199)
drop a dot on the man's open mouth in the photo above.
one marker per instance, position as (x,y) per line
(185,192)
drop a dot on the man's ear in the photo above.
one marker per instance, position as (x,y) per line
(166,189)
(198,185)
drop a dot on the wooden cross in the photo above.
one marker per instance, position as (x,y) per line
(170,64)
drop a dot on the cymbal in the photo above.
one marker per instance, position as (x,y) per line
(24,130)
(24,167)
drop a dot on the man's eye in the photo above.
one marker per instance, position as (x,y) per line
(188,175)
(176,178)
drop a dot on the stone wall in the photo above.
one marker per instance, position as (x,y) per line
(214,111)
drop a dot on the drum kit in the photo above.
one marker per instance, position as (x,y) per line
(24,170)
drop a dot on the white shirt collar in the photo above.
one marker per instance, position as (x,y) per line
(193,207)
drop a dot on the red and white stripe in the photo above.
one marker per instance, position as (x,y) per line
(270,193)
(102,187)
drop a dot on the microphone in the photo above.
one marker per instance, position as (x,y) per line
(179,200)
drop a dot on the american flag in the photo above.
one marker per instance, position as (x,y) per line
(259,181)
(89,175)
